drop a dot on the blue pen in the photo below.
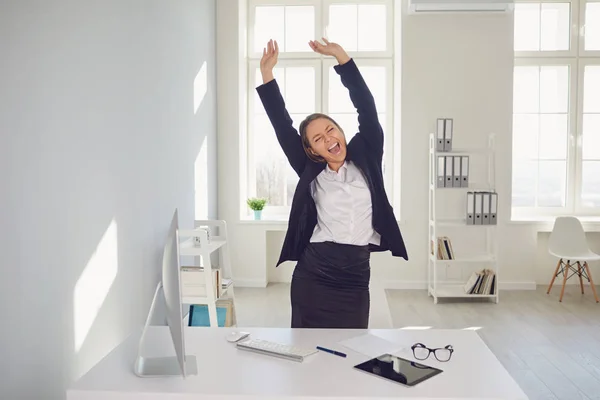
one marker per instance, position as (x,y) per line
(337,353)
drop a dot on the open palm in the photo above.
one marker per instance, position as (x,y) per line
(269,57)
(327,49)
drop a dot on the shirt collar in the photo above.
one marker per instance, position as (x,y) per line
(344,167)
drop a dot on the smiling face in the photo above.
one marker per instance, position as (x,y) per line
(323,139)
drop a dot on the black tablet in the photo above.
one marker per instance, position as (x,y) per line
(399,370)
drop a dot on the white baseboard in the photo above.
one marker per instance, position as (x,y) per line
(250,283)
(422,285)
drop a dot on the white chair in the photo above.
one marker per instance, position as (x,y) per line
(568,242)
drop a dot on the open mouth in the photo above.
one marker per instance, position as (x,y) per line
(335,149)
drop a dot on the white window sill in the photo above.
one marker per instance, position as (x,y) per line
(270,222)
(544,220)
(546,224)
(264,220)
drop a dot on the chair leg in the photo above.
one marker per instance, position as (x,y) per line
(579,271)
(566,274)
(587,267)
(554,276)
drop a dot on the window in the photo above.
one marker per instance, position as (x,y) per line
(556,109)
(309,83)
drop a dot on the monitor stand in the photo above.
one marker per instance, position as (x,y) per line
(164,366)
(153,367)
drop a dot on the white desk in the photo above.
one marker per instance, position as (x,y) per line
(226,373)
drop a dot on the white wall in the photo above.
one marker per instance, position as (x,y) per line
(457,65)
(98,141)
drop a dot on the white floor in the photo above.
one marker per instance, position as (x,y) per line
(552,349)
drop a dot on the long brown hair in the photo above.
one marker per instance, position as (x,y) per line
(305,143)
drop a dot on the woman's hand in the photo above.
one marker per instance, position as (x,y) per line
(330,49)
(269,60)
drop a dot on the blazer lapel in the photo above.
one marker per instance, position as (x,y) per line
(349,151)
(310,173)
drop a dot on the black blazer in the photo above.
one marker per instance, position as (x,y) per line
(365,150)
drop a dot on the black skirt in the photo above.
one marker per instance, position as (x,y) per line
(330,287)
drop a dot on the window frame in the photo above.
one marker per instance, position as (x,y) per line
(283,55)
(389,52)
(573,32)
(571,134)
(379,58)
(581,32)
(579,208)
(577,58)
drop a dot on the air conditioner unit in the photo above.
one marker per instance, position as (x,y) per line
(457,6)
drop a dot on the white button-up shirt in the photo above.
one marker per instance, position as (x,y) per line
(344,209)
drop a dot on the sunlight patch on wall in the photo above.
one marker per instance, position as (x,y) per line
(95,283)
(200,86)
(201,181)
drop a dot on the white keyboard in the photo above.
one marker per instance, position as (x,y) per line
(275,349)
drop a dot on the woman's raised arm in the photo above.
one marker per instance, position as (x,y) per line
(274,105)
(369,126)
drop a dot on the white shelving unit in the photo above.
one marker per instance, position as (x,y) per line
(204,292)
(488,257)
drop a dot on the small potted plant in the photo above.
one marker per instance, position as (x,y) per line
(257,205)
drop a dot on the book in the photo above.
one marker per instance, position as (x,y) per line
(481,282)
(445,251)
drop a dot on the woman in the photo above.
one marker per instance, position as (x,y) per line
(340,211)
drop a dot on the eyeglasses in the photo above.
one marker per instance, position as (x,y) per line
(422,352)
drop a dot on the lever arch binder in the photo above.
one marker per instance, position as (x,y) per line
(440,134)
(448,131)
(478,207)
(485,212)
(449,166)
(464,171)
(456,172)
(441,174)
(482,208)
(470,208)
(493,208)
